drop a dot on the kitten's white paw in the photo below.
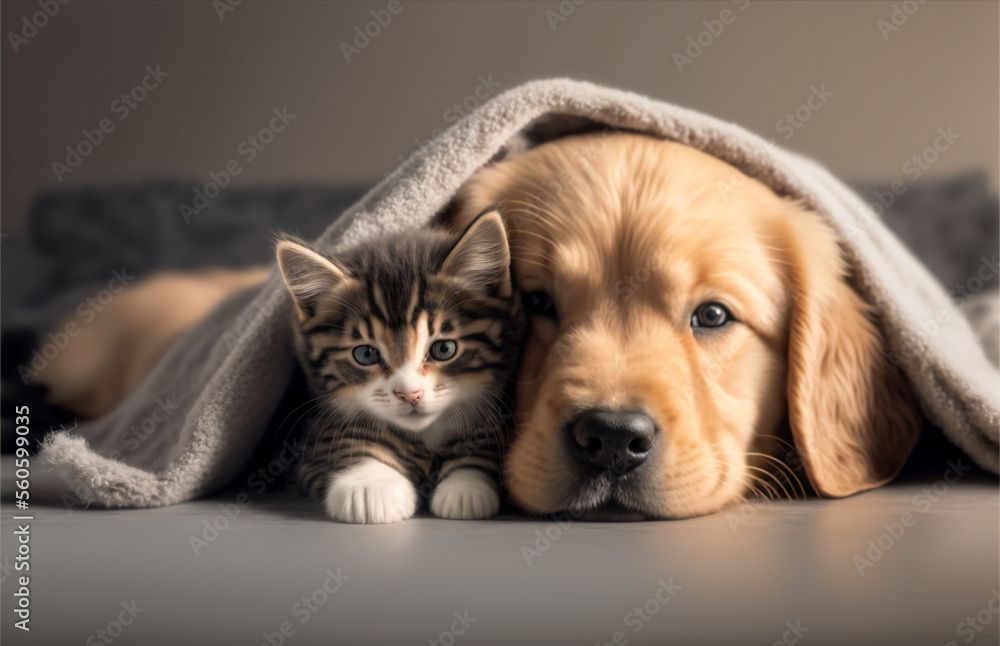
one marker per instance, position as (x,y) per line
(466,494)
(369,493)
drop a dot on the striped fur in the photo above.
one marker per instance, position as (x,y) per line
(401,294)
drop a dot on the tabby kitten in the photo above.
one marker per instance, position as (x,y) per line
(408,342)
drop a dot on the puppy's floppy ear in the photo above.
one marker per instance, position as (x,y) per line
(852,414)
(307,274)
(481,255)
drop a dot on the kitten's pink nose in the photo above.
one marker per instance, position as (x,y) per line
(411,397)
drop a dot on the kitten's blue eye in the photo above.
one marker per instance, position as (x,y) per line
(366,355)
(710,315)
(443,350)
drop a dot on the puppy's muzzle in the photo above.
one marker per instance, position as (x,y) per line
(612,441)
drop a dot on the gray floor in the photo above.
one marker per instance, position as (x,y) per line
(817,572)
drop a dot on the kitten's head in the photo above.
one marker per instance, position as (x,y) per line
(406,326)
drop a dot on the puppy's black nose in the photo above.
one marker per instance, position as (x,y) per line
(615,441)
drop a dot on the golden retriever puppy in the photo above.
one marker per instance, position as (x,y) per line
(686,325)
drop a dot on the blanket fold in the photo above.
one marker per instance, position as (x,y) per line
(201,413)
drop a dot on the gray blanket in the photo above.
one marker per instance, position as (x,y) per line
(209,400)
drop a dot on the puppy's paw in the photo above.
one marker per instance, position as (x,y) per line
(466,494)
(369,493)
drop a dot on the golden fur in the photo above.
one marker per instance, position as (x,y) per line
(628,234)
(113,354)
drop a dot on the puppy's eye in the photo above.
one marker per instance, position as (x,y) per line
(540,303)
(366,355)
(710,315)
(443,350)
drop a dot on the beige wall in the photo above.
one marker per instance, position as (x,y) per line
(891,91)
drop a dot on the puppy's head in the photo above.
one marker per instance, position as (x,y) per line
(683,318)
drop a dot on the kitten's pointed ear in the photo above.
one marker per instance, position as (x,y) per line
(482,255)
(307,274)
